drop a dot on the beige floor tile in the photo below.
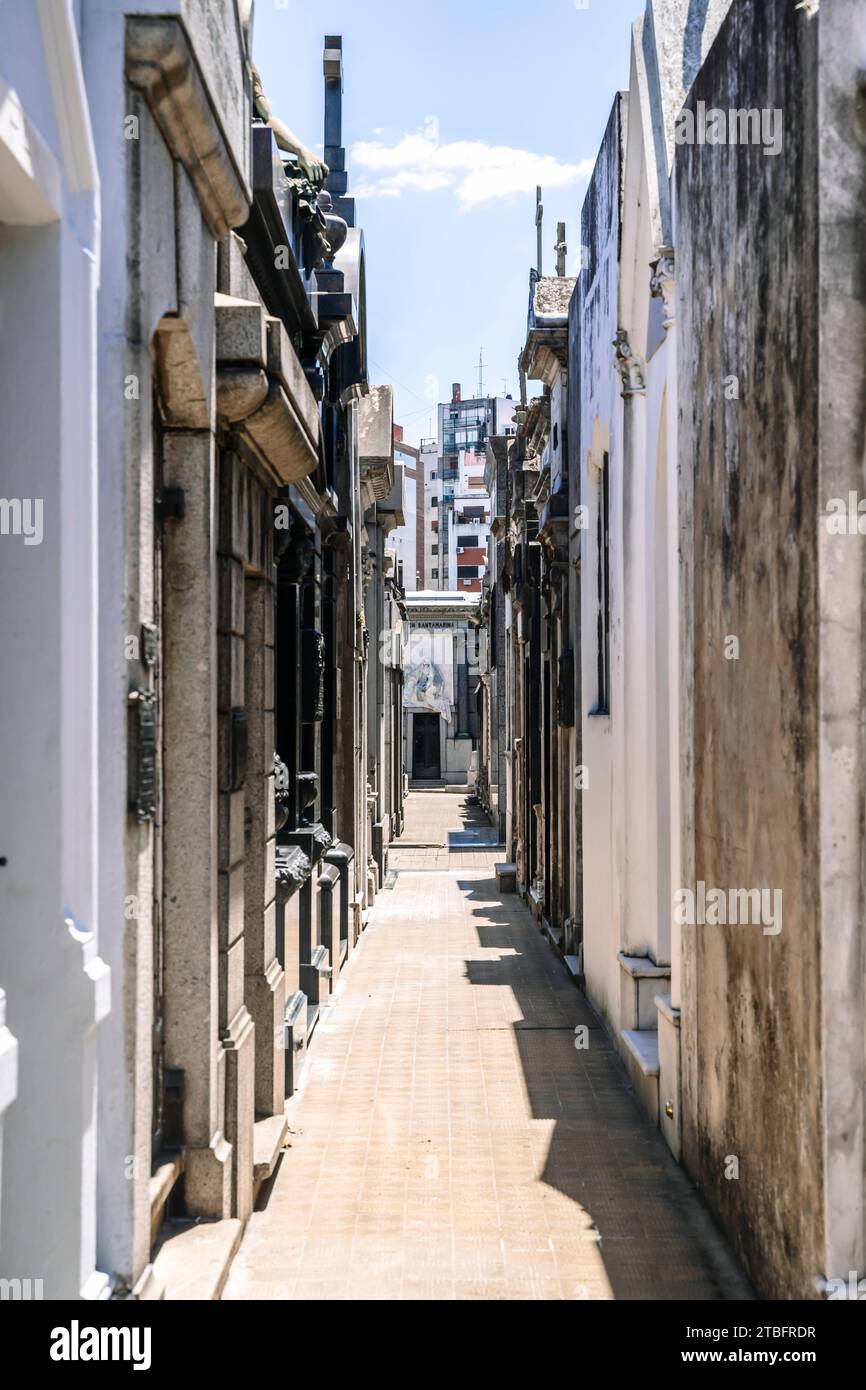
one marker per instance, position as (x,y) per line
(448,1141)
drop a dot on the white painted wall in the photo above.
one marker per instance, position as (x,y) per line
(631,807)
(57,987)
(603,841)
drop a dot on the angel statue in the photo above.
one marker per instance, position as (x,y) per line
(310,165)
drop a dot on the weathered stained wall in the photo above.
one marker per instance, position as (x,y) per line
(842,586)
(747,249)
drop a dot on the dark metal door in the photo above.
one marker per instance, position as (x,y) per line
(425,746)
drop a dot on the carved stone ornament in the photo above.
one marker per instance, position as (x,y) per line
(281,792)
(628,365)
(321,836)
(314,229)
(337,229)
(292,869)
(662,282)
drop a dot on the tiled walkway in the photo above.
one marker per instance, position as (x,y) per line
(451,1142)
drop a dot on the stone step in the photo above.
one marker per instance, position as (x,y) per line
(268,1138)
(574,968)
(167,1168)
(192,1258)
(506,877)
(640,1047)
(641,980)
(643,1043)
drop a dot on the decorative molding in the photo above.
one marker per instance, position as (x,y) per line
(182,394)
(276,430)
(629,365)
(275,409)
(240,391)
(31,185)
(68,95)
(292,869)
(161,65)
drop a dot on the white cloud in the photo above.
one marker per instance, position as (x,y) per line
(478,172)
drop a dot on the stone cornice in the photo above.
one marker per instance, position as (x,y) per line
(323,505)
(535,428)
(161,65)
(184,398)
(538,499)
(553,529)
(545,353)
(262,390)
(276,429)
(240,391)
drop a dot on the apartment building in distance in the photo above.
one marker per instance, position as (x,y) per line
(407,541)
(432,498)
(459,517)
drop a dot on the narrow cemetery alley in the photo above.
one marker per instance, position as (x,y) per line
(450,1140)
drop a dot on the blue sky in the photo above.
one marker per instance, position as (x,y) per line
(452,112)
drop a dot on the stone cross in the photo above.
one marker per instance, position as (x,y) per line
(561,249)
(335,154)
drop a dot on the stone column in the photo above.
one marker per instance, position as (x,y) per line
(240,507)
(639,932)
(265,980)
(190,832)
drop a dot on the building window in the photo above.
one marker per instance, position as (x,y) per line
(602,705)
(467,540)
(435,574)
(467,571)
(434,501)
(434,550)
